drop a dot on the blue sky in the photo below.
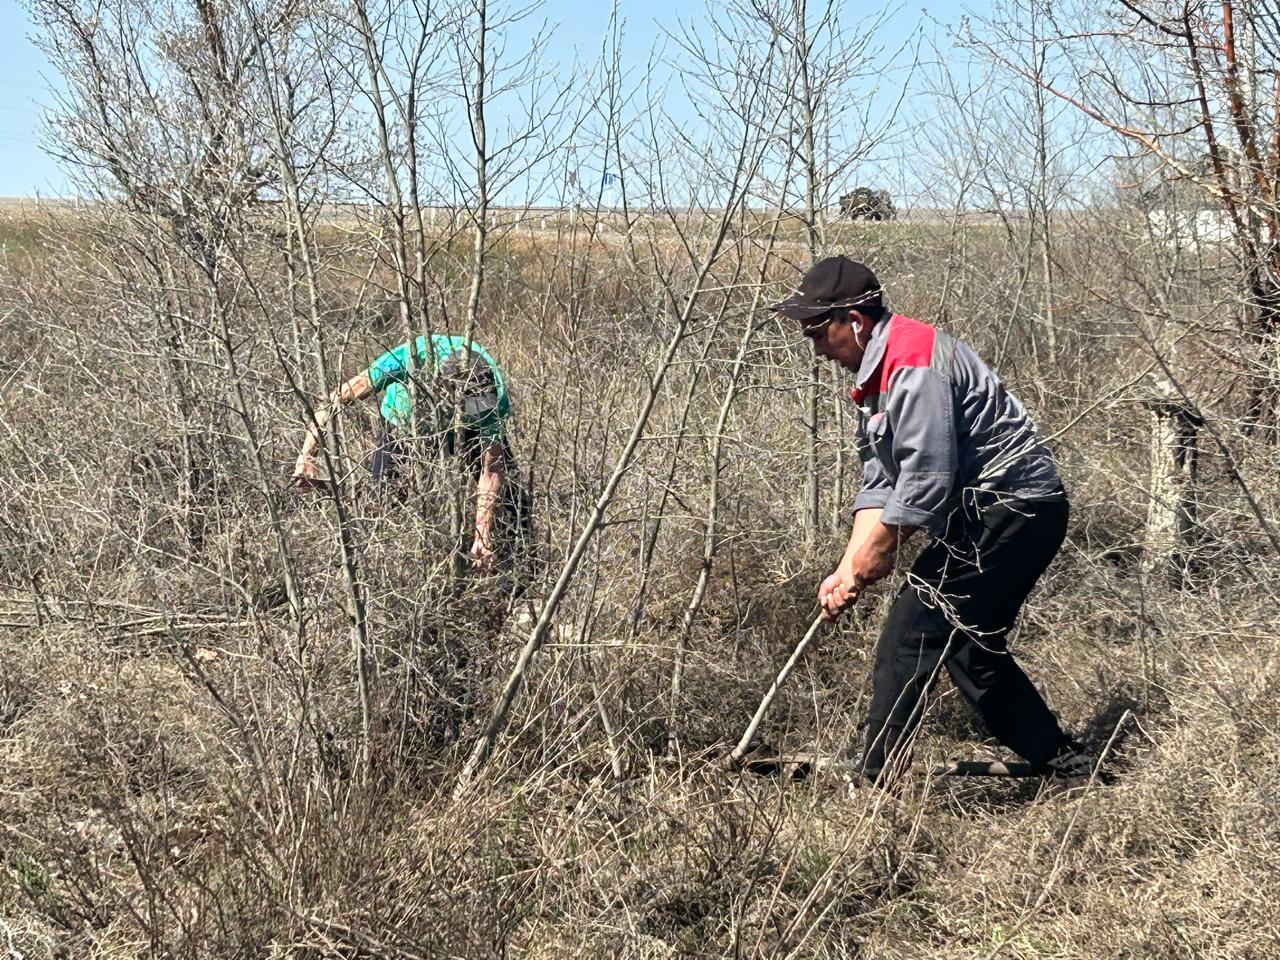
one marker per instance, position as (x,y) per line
(23,88)
(25,82)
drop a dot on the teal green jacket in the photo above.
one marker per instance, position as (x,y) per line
(390,374)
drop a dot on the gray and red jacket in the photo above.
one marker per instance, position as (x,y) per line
(936,421)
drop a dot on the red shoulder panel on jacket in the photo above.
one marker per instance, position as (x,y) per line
(910,344)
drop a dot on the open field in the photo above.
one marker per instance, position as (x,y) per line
(209,749)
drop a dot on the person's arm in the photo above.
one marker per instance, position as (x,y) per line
(306,470)
(886,514)
(921,412)
(839,590)
(488,494)
(868,557)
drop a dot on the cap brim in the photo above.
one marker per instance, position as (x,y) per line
(795,308)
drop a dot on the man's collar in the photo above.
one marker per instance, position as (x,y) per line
(874,352)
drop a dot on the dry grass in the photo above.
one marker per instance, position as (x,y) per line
(179,759)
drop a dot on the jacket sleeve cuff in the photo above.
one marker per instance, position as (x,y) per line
(869,498)
(899,514)
(920,499)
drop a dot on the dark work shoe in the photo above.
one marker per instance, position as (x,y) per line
(1071,765)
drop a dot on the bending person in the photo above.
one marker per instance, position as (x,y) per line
(449,370)
(948,450)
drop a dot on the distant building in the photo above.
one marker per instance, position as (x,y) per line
(1192,229)
(1181,212)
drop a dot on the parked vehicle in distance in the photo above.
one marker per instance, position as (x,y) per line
(865,203)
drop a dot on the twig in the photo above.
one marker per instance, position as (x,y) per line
(735,757)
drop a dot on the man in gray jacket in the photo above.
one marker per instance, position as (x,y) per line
(945,449)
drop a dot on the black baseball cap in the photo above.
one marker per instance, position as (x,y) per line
(829,285)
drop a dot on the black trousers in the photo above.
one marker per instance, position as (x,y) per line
(389,456)
(956,609)
(513,520)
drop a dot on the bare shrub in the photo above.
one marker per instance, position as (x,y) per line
(234,716)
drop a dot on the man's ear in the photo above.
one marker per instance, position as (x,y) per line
(861,321)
